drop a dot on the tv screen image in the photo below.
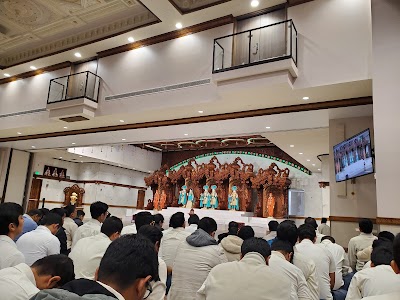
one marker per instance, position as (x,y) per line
(353,157)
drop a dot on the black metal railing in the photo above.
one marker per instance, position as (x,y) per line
(80,85)
(260,45)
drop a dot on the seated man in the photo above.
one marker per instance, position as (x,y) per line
(313,223)
(195,258)
(282,253)
(365,255)
(142,218)
(88,252)
(159,221)
(31,220)
(233,228)
(272,227)
(11,225)
(80,214)
(61,234)
(249,278)
(125,272)
(324,229)
(360,242)
(41,242)
(232,244)
(378,280)
(22,282)
(193,221)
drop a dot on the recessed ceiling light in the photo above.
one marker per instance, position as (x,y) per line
(33,68)
(73,143)
(65,127)
(77,54)
(101,161)
(19,132)
(178,25)
(80,155)
(301,153)
(200,111)
(306,98)
(124,139)
(81,161)
(186,134)
(122,121)
(131,39)
(319,169)
(60,156)
(268,127)
(255,3)
(313,165)
(7,75)
(33,146)
(291,146)
(308,160)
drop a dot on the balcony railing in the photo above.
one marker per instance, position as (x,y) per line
(256,46)
(75,86)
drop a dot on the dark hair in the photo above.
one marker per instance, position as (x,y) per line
(327,237)
(311,221)
(194,219)
(128,259)
(396,250)
(69,210)
(381,255)
(283,246)
(34,212)
(257,245)
(58,211)
(233,227)
(307,232)
(52,218)
(208,225)
(153,233)
(111,225)
(386,235)
(246,232)
(158,218)
(365,225)
(273,225)
(44,211)
(324,220)
(97,209)
(177,220)
(143,218)
(287,231)
(56,265)
(9,213)
(80,213)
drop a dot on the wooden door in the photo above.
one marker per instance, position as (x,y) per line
(273,38)
(241,41)
(34,195)
(77,83)
(140,199)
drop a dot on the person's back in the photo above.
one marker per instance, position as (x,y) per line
(193,221)
(338,254)
(249,278)
(99,212)
(324,228)
(233,228)
(42,241)
(232,245)
(271,235)
(69,224)
(88,252)
(313,223)
(194,260)
(31,220)
(80,214)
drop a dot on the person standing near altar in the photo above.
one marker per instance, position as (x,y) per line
(190,200)
(183,196)
(233,199)
(214,197)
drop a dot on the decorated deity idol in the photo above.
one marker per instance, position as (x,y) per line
(156,200)
(270,205)
(183,196)
(163,200)
(205,198)
(233,199)
(190,200)
(214,197)
(73,198)
(55,173)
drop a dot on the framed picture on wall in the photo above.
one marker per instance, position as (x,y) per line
(54,172)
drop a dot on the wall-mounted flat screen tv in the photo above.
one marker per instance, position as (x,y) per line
(353,157)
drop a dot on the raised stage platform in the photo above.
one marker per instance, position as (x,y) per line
(222,217)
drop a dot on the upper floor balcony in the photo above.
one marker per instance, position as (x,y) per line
(74,97)
(270,48)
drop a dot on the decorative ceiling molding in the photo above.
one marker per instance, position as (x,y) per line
(189,6)
(35,29)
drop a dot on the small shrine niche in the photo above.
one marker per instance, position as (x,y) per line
(74,195)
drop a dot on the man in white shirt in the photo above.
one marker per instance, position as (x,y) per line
(282,253)
(287,231)
(324,228)
(193,221)
(125,272)
(271,235)
(41,242)
(154,234)
(359,243)
(323,259)
(69,224)
(249,278)
(379,279)
(88,252)
(99,212)
(11,225)
(313,223)
(22,282)
(141,218)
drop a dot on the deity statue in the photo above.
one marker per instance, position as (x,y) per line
(55,173)
(156,200)
(48,172)
(190,200)
(214,197)
(163,200)
(233,199)
(183,196)
(62,174)
(270,205)
(205,198)
(73,198)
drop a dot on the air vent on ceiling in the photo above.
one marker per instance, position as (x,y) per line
(74,119)
(159,89)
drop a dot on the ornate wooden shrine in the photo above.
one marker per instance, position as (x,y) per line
(74,195)
(265,193)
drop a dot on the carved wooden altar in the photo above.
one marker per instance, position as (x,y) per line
(270,181)
(79,194)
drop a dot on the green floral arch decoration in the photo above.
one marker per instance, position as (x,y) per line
(211,154)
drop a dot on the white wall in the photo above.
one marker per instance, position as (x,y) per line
(17,177)
(4,158)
